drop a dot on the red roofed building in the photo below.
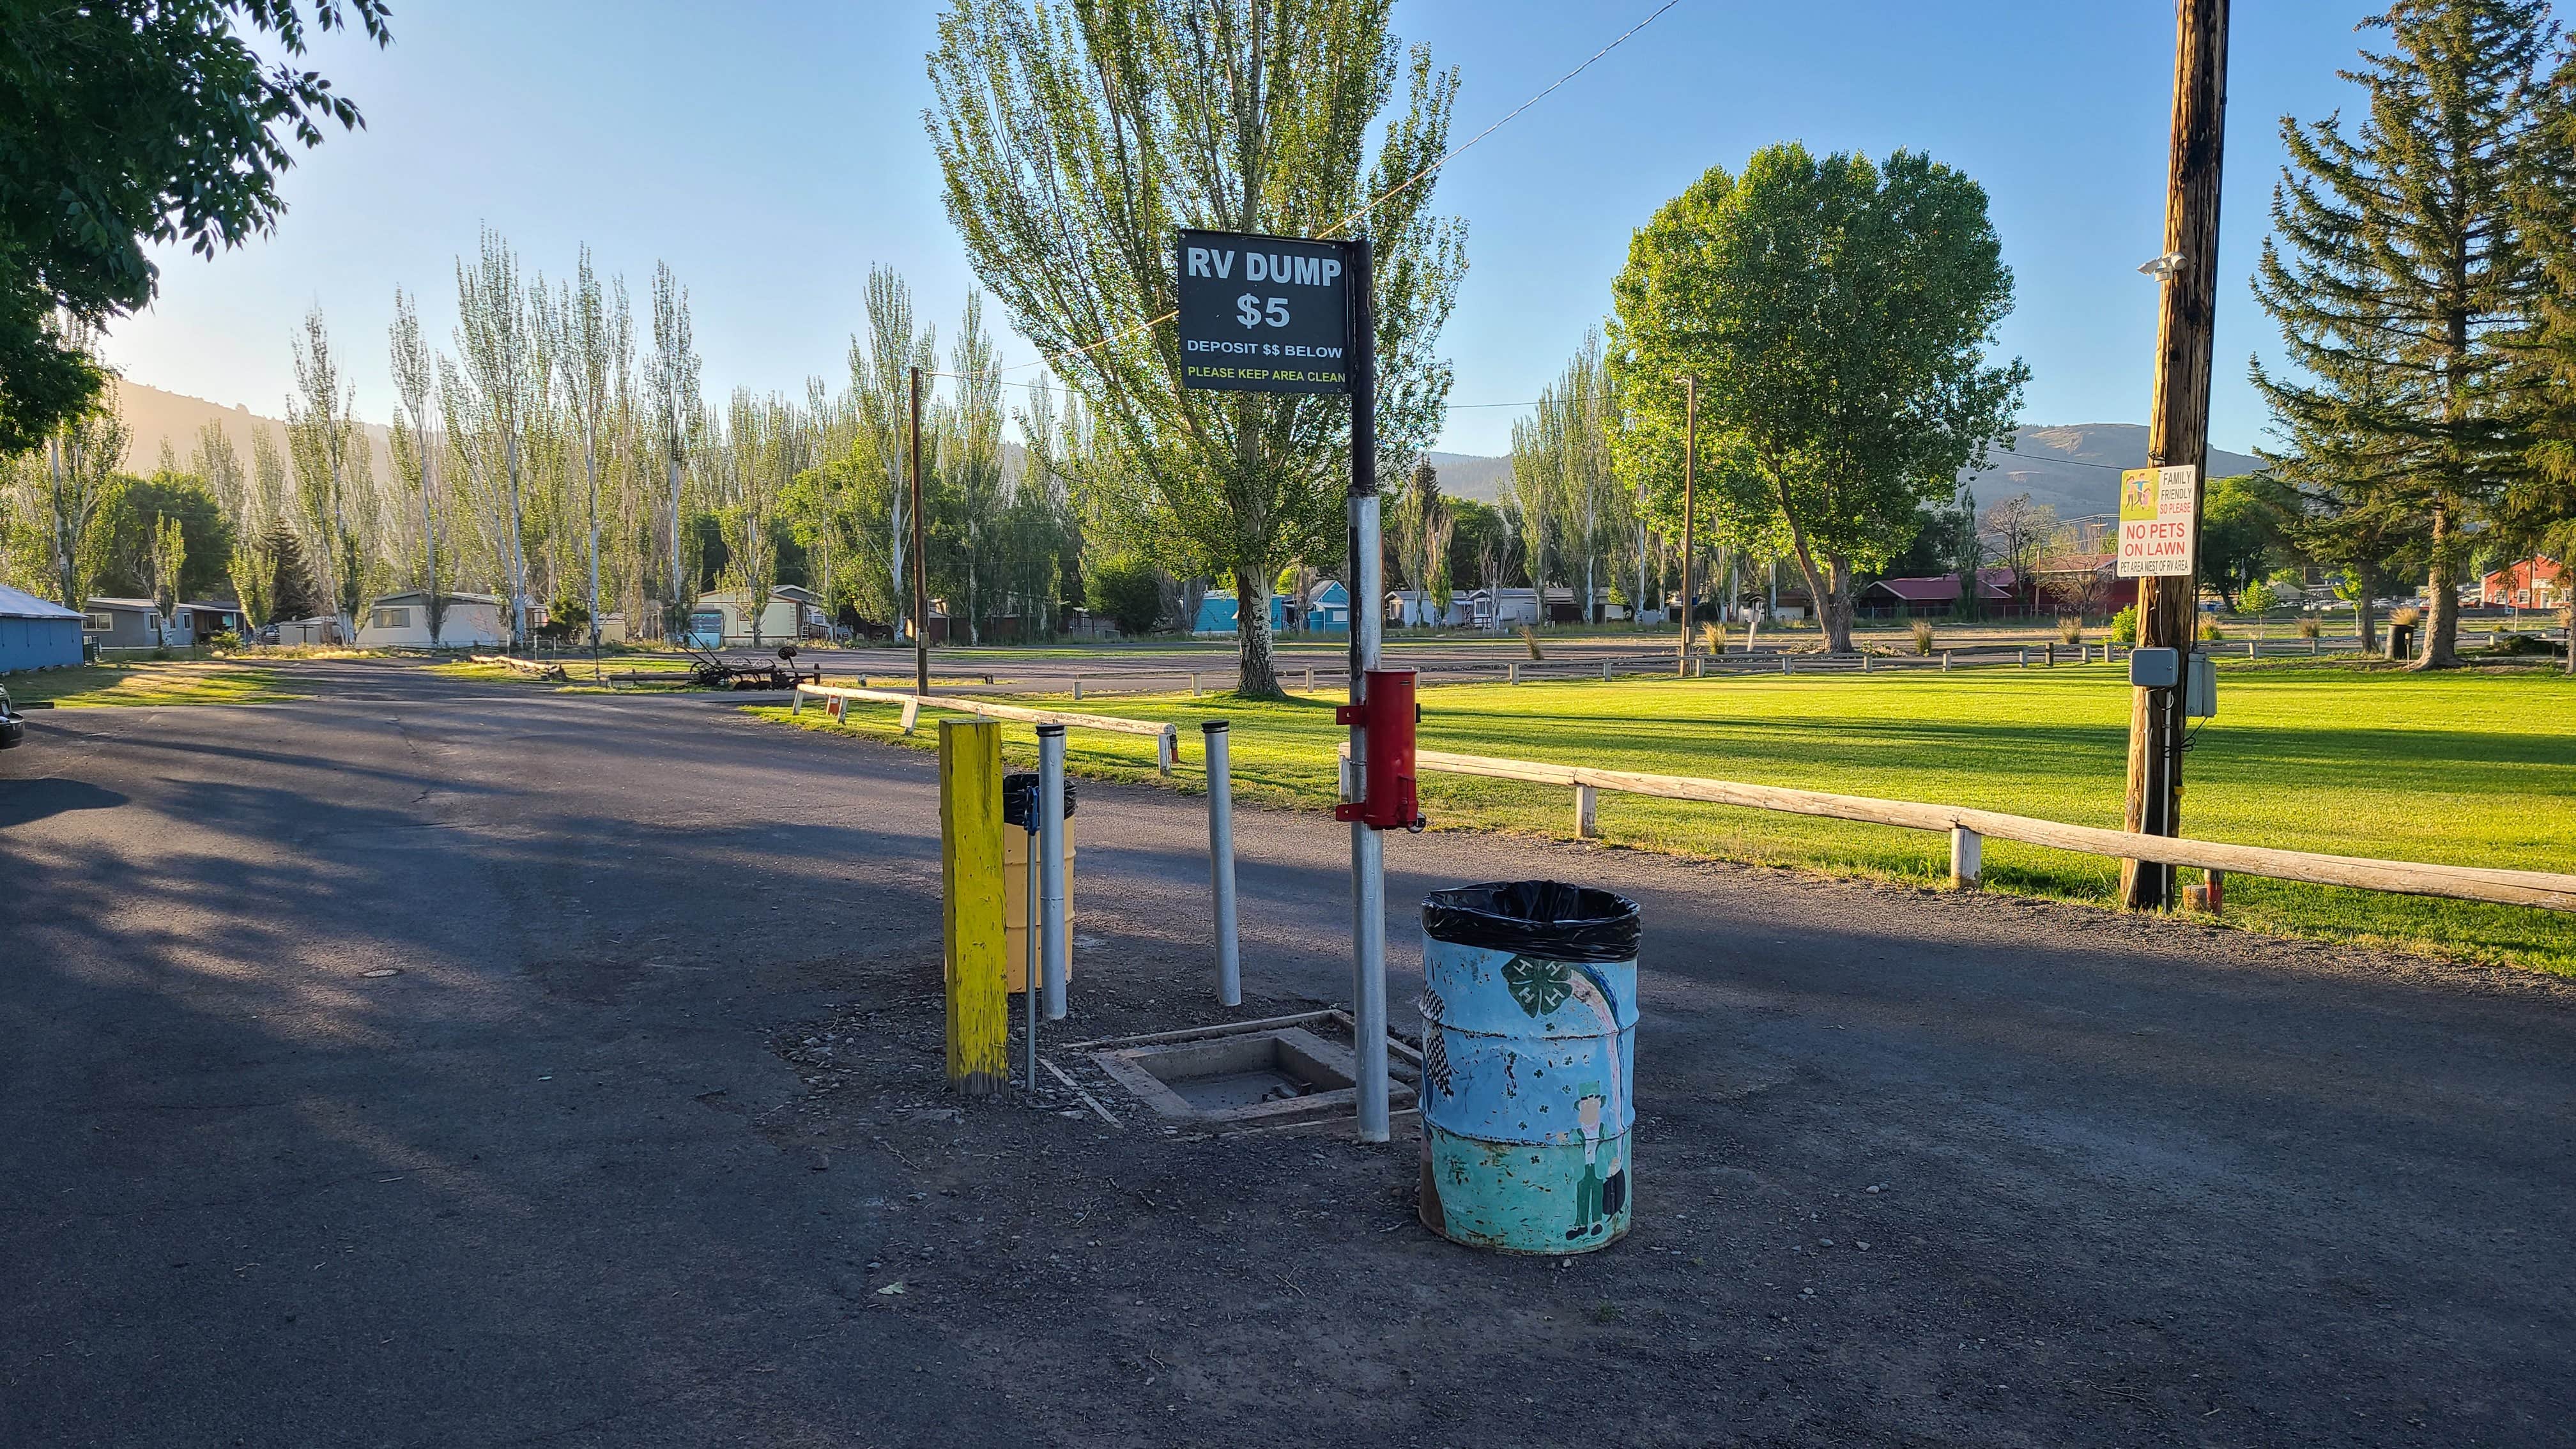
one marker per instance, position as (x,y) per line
(1939,594)
(2086,584)
(2533,583)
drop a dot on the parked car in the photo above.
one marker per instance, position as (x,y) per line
(13,726)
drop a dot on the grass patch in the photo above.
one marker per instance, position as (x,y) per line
(2466,767)
(147,682)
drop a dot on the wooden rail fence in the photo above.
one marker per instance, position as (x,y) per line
(1968,829)
(1166,737)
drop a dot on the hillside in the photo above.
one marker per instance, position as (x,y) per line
(1464,475)
(153,415)
(2076,470)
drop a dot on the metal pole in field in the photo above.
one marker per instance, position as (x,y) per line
(2178,435)
(1368,849)
(1690,510)
(1055,951)
(920,559)
(1220,788)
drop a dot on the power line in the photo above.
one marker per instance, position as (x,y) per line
(1362,214)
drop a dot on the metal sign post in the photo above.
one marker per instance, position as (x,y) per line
(1284,314)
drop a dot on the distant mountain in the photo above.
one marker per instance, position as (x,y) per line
(152,416)
(2076,470)
(1465,475)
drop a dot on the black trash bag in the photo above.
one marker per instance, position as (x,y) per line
(1020,799)
(1547,919)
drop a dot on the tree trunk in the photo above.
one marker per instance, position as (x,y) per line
(590,466)
(1255,673)
(2365,578)
(679,618)
(2442,625)
(1823,593)
(518,553)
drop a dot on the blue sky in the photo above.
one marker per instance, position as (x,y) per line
(772,152)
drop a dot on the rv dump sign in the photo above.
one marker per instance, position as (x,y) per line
(1264,313)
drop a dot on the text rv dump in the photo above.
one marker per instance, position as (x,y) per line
(1263,314)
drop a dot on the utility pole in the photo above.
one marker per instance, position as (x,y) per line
(920,560)
(1690,505)
(2178,433)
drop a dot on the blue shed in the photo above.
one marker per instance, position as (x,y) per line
(1217,610)
(36,634)
(1328,609)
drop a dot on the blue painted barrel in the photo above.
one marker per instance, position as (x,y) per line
(1529,1065)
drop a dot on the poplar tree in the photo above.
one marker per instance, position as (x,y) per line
(62,494)
(415,449)
(490,403)
(672,396)
(322,437)
(2400,276)
(881,384)
(1076,137)
(591,334)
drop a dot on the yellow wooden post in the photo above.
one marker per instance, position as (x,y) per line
(970,859)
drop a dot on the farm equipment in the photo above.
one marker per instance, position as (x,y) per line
(710,670)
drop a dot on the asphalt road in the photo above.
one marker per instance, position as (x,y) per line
(2141,1182)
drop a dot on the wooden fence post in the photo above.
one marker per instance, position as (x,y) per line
(1967,858)
(1587,823)
(972,899)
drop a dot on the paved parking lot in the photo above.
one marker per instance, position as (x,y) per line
(402,1067)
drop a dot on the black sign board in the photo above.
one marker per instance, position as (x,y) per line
(1264,313)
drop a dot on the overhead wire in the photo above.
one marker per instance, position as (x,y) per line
(1357,216)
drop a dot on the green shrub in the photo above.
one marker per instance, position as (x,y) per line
(1127,593)
(2209,628)
(2124,626)
(2257,598)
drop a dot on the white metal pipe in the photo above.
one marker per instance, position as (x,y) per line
(1368,1020)
(1056,949)
(1220,788)
(1368,848)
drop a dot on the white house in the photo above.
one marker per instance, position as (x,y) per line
(401,621)
(1414,609)
(792,613)
(1503,608)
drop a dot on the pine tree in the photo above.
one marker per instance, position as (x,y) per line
(2399,275)
(2539,514)
(291,594)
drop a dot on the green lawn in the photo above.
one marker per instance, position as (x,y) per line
(149,682)
(2466,768)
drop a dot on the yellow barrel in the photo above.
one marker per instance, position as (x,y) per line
(1017,845)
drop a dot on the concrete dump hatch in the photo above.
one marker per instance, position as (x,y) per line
(1244,1078)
